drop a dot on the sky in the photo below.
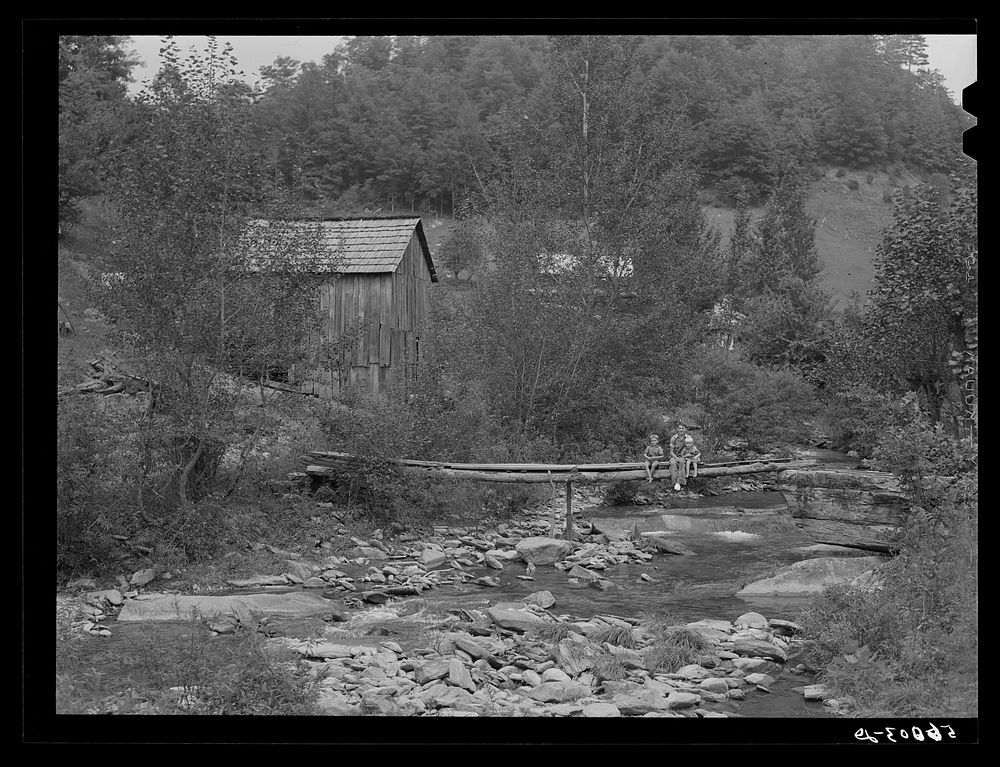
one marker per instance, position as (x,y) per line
(954,56)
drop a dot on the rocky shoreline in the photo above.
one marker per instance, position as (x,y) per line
(507,667)
(513,658)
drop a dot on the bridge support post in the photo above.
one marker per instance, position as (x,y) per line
(569,510)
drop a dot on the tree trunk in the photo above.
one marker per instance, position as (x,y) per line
(182,482)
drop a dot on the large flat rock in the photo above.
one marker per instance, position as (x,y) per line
(179,607)
(854,508)
(811,576)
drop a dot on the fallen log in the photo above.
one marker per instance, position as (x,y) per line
(325,458)
(562,475)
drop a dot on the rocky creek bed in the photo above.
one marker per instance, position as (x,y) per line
(384,638)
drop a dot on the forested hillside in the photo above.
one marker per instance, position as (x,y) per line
(408,123)
(635,231)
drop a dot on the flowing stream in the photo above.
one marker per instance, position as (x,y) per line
(736,538)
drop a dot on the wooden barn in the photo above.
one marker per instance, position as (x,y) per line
(374,309)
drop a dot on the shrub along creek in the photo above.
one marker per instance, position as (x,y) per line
(652,611)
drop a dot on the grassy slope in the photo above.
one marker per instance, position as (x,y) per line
(849,224)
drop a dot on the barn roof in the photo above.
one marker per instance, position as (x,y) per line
(367,245)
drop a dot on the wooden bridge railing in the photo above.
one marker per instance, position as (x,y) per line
(329,464)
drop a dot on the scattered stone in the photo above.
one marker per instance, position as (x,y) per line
(517,620)
(765,680)
(751,620)
(298,569)
(142,577)
(680,699)
(111,596)
(223,626)
(392,647)
(640,702)
(555,675)
(375,597)
(368,552)
(595,710)
(786,628)
(558,692)
(459,676)
(543,599)
(487,581)
(714,684)
(429,670)
(324,650)
(446,696)
(693,671)
(575,657)
(540,550)
(749,665)
(759,648)
(502,554)
(665,546)
(815,692)
(583,574)
(736,694)
(432,558)
(314,583)
(259,580)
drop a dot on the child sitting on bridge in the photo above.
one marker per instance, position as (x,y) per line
(691,455)
(652,456)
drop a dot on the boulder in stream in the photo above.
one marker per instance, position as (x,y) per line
(540,550)
(811,576)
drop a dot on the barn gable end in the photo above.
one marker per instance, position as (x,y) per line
(375,307)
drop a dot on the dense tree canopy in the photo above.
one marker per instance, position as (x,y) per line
(401,122)
(93,73)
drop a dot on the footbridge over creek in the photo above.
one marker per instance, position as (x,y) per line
(846,507)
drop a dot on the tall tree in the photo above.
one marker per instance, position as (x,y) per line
(787,309)
(597,243)
(93,73)
(920,332)
(191,289)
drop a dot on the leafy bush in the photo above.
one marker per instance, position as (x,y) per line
(909,646)
(91,490)
(764,407)
(859,417)
(429,427)
(623,493)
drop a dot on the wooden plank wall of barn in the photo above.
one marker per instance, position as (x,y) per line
(385,311)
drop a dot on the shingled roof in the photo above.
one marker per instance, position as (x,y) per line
(367,245)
